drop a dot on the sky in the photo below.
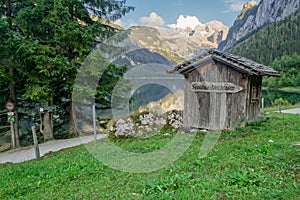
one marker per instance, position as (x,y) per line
(181,13)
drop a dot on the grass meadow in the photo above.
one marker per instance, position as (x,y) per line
(253,162)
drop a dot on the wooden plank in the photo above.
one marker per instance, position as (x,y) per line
(204,101)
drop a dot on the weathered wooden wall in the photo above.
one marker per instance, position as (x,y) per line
(217,111)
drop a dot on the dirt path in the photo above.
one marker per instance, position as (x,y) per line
(22,155)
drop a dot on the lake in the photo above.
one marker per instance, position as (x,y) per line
(271,95)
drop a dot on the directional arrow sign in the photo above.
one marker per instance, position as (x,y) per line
(215,87)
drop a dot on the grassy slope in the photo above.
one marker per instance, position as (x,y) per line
(243,165)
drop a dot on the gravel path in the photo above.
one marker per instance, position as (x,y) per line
(292,111)
(18,156)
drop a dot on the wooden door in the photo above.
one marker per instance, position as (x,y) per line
(217,111)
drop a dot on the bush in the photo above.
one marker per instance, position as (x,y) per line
(281,101)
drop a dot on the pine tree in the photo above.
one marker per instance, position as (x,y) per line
(55,38)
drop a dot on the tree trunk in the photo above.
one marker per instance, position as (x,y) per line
(46,124)
(16,127)
(72,123)
(13,97)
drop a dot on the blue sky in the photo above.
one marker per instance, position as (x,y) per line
(166,12)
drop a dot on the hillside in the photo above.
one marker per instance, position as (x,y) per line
(254,17)
(272,41)
(277,45)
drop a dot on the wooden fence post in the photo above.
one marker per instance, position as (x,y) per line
(94,122)
(280,107)
(263,106)
(36,144)
(13,140)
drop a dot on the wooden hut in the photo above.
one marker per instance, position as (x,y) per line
(221,90)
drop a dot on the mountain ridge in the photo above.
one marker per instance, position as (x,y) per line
(272,41)
(266,12)
(165,41)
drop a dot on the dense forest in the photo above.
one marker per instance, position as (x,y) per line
(276,45)
(43,44)
(289,67)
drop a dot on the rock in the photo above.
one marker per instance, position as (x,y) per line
(297,144)
(247,6)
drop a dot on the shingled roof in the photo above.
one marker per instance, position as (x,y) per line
(238,63)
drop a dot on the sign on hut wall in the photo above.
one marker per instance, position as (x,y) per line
(216,87)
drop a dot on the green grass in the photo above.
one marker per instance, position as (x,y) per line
(243,165)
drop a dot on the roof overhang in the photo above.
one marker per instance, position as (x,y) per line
(240,64)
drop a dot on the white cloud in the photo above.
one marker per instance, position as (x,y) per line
(126,24)
(153,20)
(119,22)
(179,3)
(185,21)
(172,26)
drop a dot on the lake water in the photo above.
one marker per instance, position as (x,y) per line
(271,95)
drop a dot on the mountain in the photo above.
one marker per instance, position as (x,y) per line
(272,41)
(180,44)
(147,74)
(253,17)
(151,52)
(142,56)
(277,45)
(210,34)
(164,42)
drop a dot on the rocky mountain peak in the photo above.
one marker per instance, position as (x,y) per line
(207,35)
(247,6)
(255,17)
(179,44)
